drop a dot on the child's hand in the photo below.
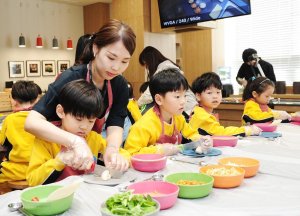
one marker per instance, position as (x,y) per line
(206,144)
(168,149)
(65,156)
(283,115)
(252,130)
(82,157)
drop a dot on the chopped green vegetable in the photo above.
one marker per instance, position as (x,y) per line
(130,204)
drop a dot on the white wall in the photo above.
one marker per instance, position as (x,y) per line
(33,17)
(218,46)
(164,42)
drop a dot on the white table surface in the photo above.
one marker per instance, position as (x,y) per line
(274,191)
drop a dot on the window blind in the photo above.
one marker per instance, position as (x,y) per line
(273,29)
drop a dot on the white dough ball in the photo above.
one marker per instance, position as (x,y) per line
(105,175)
(199,150)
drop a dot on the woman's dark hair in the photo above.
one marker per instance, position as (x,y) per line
(167,80)
(206,81)
(81,43)
(81,99)
(109,33)
(259,85)
(24,91)
(151,58)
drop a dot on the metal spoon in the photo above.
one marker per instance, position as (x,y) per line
(15,206)
(124,188)
(155,177)
(18,207)
(200,163)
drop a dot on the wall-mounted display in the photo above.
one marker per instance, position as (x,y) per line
(176,13)
(49,68)
(33,68)
(16,69)
(62,65)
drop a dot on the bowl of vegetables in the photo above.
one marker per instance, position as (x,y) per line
(224,176)
(191,185)
(35,201)
(164,192)
(148,162)
(250,165)
(127,203)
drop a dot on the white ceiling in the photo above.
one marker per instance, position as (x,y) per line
(81,2)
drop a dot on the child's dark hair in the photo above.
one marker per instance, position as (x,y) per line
(130,90)
(259,85)
(168,80)
(39,89)
(81,99)
(205,81)
(24,91)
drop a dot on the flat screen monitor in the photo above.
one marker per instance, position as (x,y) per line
(184,12)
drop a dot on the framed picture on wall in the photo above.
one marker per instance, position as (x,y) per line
(62,65)
(33,68)
(16,69)
(49,68)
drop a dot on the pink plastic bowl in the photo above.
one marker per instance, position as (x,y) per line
(224,141)
(266,127)
(163,192)
(296,118)
(148,162)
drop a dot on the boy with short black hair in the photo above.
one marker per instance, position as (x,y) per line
(78,109)
(17,142)
(162,127)
(208,91)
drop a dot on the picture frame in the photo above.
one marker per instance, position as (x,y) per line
(16,69)
(49,68)
(62,65)
(33,68)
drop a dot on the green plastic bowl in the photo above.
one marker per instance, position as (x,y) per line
(43,207)
(192,191)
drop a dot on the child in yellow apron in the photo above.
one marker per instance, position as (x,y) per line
(161,127)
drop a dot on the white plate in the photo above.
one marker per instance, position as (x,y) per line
(96,179)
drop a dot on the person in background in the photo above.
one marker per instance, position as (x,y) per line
(155,61)
(79,105)
(133,113)
(257,95)
(17,142)
(105,58)
(144,87)
(81,43)
(162,127)
(133,110)
(208,91)
(144,108)
(254,67)
(40,92)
